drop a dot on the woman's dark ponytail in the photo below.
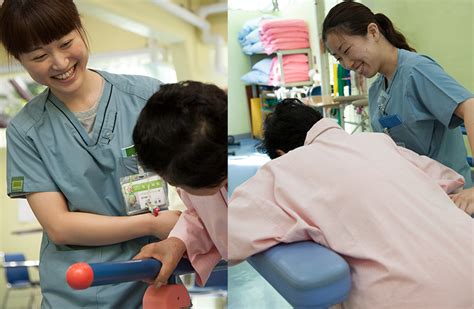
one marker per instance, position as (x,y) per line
(391,34)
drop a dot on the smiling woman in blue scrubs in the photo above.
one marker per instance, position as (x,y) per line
(412,99)
(65,153)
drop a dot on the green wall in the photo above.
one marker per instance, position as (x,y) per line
(239,64)
(443,30)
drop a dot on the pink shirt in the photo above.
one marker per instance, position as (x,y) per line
(203,229)
(381,207)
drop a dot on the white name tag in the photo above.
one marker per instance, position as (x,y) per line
(143,193)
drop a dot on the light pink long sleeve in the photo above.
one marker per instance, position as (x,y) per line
(384,210)
(203,229)
(446,178)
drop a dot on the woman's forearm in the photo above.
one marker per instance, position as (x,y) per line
(79,228)
(96,230)
(87,229)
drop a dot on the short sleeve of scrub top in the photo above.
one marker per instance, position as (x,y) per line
(437,91)
(424,98)
(26,172)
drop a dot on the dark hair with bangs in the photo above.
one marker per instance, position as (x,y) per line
(27,24)
(181,134)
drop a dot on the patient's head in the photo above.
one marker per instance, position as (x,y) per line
(285,129)
(181,134)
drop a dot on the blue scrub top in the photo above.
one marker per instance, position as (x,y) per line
(49,150)
(424,98)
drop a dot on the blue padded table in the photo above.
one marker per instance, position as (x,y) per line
(307,275)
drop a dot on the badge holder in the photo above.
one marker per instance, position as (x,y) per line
(143,192)
(389,121)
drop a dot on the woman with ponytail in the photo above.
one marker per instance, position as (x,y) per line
(412,99)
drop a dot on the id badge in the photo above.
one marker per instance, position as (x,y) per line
(143,193)
(390,121)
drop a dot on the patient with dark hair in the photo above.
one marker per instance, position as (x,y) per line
(187,123)
(181,134)
(285,129)
(383,208)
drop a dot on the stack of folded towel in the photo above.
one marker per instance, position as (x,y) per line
(260,73)
(295,69)
(268,34)
(268,71)
(283,34)
(249,36)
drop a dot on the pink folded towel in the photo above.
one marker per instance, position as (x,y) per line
(295,77)
(299,69)
(288,60)
(291,62)
(292,68)
(290,78)
(272,31)
(286,35)
(280,34)
(295,69)
(273,47)
(294,58)
(288,40)
(281,23)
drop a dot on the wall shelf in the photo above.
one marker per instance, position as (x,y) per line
(265,92)
(280,54)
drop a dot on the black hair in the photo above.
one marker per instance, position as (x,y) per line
(27,24)
(181,134)
(352,18)
(287,126)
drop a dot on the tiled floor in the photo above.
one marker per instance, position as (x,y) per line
(247,289)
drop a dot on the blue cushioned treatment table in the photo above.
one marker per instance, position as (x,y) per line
(306,274)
